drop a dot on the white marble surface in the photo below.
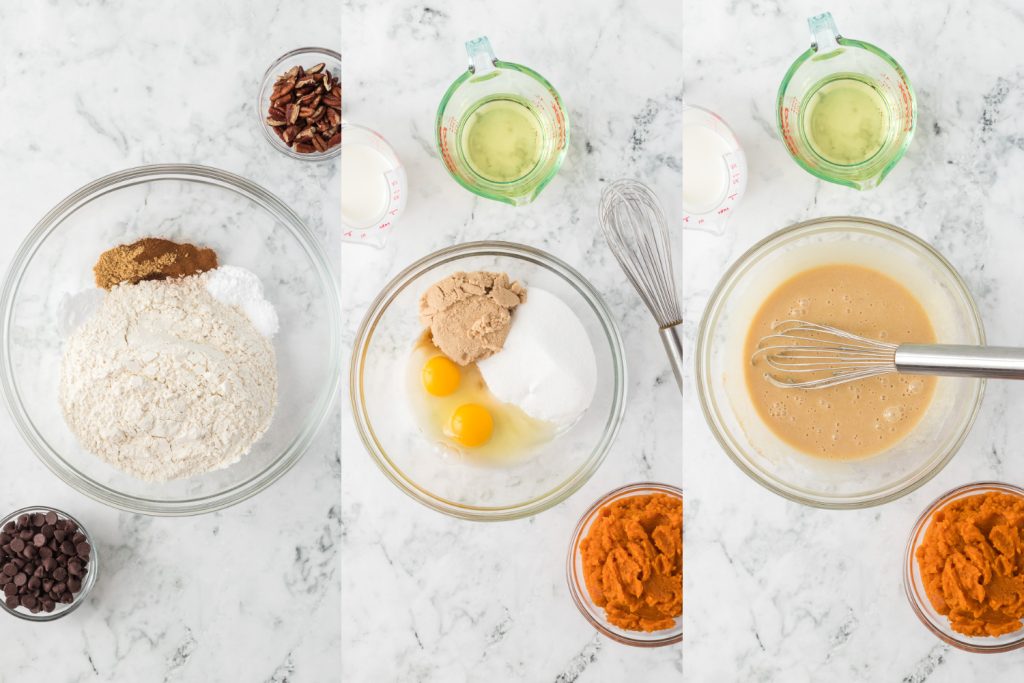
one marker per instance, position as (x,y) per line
(426,597)
(250,593)
(780,592)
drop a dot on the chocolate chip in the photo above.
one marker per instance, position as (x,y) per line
(20,579)
(13,601)
(67,598)
(34,583)
(71,526)
(39,519)
(83,549)
(78,538)
(10,527)
(10,569)
(23,521)
(17,545)
(51,517)
(39,540)
(48,585)
(67,547)
(74,585)
(74,568)
(48,605)
(30,552)
(59,534)
(10,589)
(4,538)
(59,574)
(45,553)
(60,587)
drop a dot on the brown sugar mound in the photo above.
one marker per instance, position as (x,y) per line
(633,562)
(469,314)
(972,563)
(151,258)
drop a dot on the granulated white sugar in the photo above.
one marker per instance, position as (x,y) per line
(547,365)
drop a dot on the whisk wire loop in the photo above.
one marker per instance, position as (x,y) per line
(845,356)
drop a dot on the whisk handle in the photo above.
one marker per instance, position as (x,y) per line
(674,348)
(1000,362)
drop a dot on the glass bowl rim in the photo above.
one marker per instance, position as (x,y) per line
(713,309)
(94,566)
(267,202)
(910,585)
(639,488)
(261,117)
(488,248)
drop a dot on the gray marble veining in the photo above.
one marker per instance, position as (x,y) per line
(429,598)
(251,593)
(780,592)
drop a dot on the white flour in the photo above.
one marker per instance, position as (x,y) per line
(165,382)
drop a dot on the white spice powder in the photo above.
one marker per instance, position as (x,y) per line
(165,382)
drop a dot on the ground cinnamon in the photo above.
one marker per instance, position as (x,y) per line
(151,258)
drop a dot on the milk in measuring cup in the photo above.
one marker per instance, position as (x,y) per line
(373,186)
(705,172)
(364,187)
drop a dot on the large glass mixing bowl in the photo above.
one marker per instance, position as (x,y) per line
(389,428)
(248,227)
(720,356)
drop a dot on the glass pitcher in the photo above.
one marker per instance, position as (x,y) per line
(501,129)
(846,110)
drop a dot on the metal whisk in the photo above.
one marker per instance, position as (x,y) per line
(799,348)
(636,229)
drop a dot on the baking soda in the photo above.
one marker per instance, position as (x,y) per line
(236,286)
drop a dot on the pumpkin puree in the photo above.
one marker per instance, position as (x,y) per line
(972,563)
(633,562)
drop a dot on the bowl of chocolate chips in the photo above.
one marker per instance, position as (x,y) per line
(48,564)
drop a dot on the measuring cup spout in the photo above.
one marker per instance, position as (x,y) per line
(481,56)
(824,34)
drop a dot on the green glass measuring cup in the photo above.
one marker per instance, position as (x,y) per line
(501,131)
(846,110)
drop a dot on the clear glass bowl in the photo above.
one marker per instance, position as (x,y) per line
(93,568)
(248,227)
(391,434)
(720,357)
(304,57)
(578,586)
(918,596)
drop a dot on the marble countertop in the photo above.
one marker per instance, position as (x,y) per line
(431,598)
(776,591)
(250,593)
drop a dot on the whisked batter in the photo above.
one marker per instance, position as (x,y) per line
(860,418)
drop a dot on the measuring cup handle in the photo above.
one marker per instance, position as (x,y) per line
(824,34)
(481,56)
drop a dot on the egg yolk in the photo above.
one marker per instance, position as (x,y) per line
(441,377)
(471,425)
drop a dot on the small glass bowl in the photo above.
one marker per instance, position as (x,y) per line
(304,57)
(913,585)
(61,610)
(578,586)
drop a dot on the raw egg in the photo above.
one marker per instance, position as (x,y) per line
(471,425)
(441,377)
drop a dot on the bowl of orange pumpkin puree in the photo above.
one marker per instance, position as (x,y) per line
(964,567)
(857,444)
(625,565)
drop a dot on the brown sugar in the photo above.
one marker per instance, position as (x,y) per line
(151,258)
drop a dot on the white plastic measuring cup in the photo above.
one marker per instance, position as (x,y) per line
(714,170)
(373,186)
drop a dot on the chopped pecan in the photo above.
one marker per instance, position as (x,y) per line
(304,148)
(316,69)
(335,140)
(305,109)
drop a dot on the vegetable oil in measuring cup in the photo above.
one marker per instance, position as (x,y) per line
(846,119)
(502,138)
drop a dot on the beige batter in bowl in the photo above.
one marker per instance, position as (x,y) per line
(720,360)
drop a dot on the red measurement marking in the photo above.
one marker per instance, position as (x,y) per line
(383,225)
(732,196)
(721,211)
(686,219)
